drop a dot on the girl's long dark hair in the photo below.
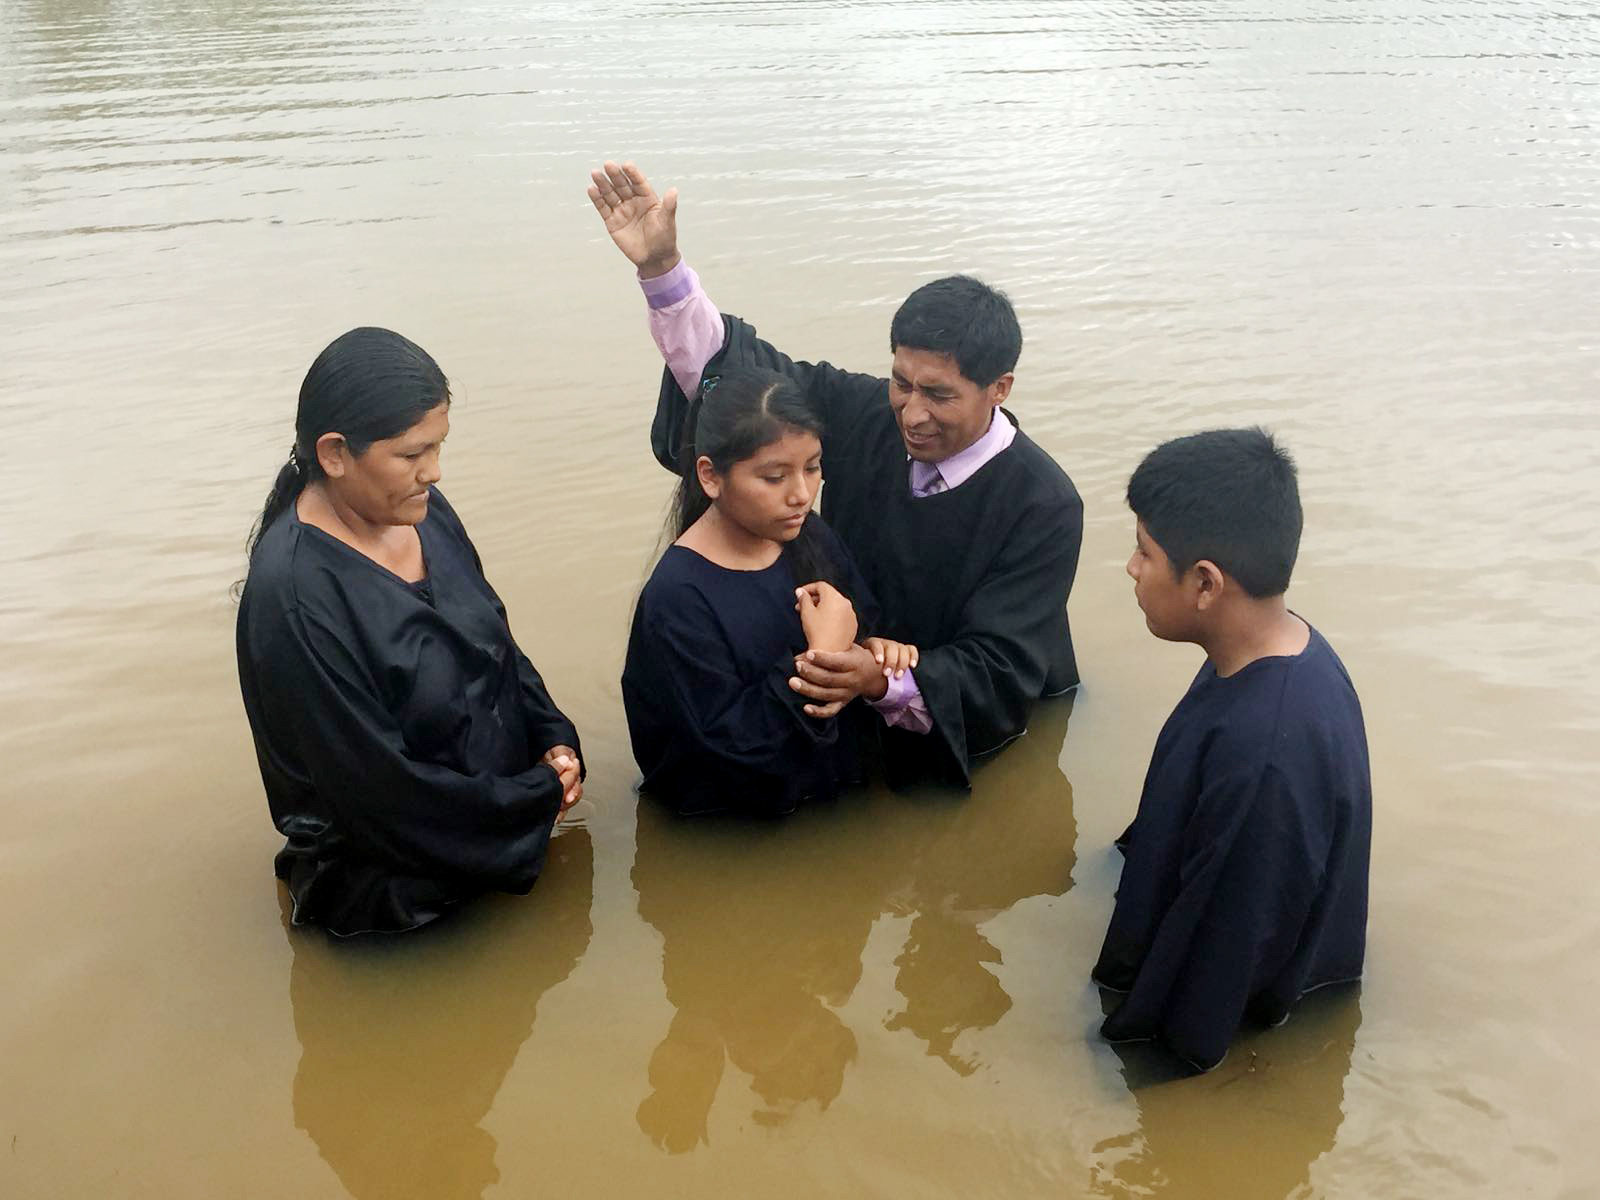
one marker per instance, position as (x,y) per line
(369,384)
(737,413)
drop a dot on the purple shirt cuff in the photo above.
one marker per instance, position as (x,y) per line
(902,705)
(663,291)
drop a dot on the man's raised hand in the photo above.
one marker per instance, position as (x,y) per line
(642,224)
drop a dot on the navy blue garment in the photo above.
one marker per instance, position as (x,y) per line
(977,577)
(714,723)
(1245,884)
(397,726)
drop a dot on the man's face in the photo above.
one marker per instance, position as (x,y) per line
(940,412)
(1164,598)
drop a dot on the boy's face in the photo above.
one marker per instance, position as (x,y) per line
(1168,605)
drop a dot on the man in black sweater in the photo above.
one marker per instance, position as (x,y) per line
(967,532)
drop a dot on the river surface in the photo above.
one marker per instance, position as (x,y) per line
(1370,225)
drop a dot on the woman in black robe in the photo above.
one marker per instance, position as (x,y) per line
(411,755)
(753,580)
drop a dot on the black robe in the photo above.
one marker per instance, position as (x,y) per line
(714,724)
(1245,884)
(976,577)
(397,726)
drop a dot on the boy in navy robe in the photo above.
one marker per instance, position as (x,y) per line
(1245,884)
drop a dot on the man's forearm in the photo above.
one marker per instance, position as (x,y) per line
(686,325)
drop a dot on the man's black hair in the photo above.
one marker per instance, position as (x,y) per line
(1228,495)
(964,318)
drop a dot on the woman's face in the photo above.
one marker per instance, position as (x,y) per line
(388,483)
(770,493)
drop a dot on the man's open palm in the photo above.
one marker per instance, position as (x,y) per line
(642,224)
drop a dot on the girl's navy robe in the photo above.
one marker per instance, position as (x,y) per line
(397,726)
(1245,884)
(714,724)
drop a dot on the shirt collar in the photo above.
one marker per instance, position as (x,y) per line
(963,464)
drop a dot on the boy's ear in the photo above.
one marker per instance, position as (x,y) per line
(710,481)
(1210,583)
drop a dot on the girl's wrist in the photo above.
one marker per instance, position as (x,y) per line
(829,645)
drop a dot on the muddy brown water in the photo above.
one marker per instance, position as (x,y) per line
(1369,225)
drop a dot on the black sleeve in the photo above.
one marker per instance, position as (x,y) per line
(843,398)
(869,616)
(546,724)
(757,726)
(419,817)
(846,576)
(981,683)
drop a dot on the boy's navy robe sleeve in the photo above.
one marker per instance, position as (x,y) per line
(416,817)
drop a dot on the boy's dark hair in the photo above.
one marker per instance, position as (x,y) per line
(964,318)
(1228,495)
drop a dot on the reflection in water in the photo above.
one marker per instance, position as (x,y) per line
(1271,1109)
(764,925)
(405,1041)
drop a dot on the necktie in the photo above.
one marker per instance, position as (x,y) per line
(927,481)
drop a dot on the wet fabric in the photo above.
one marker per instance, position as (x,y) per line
(714,724)
(976,577)
(1245,884)
(397,727)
